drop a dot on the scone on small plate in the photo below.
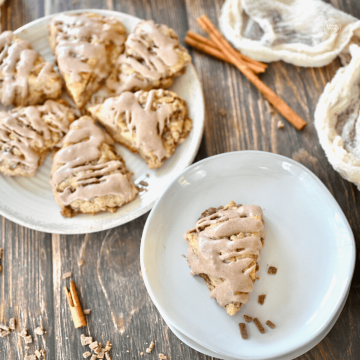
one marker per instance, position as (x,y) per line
(224,249)
(152,123)
(86,47)
(25,77)
(87,175)
(28,134)
(153,56)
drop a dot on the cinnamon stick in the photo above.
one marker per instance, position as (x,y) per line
(201,43)
(75,307)
(284,109)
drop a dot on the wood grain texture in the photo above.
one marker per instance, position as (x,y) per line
(109,282)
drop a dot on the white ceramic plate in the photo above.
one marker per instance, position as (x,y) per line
(308,239)
(29,201)
(292,355)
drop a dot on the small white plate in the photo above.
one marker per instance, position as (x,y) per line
(293,355)
(29,201)
(308,239)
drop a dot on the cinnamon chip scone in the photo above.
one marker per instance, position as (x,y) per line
(153,56)
(87,175)
(86,46)
(152,123)
(224,249)
(28,134)
(25,77)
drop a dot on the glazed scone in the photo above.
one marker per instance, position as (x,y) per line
(25,77)
(152,123)
(87,175)
(153,56)
(86,47)
(224,249)
(28,134)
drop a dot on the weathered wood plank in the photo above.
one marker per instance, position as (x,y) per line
(109,282)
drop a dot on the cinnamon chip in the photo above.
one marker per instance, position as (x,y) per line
(248,318)
(261,299)
(270,324)
(272,270)
(243,330)
(259,325)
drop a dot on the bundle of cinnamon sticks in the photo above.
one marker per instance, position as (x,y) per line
(218,47)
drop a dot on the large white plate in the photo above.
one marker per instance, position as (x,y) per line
(29,201)
(308,239)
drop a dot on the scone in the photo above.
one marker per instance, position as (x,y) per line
(152,123)
(28,134)
(25,77)
(86,46)
(224,249)
(87,175)
(153,56)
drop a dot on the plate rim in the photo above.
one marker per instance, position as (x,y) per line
(128,216)
(352,256)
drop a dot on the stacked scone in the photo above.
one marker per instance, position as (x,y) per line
(117,80)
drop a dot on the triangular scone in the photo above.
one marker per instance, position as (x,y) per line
(153,56)
(224,248)
(152,123)
(25,77)
(87,175)
(86,46)
(28,134)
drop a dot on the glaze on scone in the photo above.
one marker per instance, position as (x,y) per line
(224,249)
(28,134)
(25,77)
(87,175)
(86,47)
(152,123)
(153,56)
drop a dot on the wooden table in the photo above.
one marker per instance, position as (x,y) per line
(109,282)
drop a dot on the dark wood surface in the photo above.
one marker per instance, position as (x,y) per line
(109,282)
